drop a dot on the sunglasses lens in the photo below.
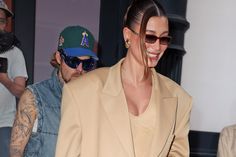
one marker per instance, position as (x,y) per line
(89,64)
(150,38)
(165,40)
(72,62)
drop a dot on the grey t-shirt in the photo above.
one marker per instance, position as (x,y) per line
(16,67)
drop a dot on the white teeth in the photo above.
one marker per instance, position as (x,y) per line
(151,55)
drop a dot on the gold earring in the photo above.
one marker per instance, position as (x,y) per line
(127,43)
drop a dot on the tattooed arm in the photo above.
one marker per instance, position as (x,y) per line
(23,125)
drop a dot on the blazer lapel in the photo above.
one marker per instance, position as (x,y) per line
(114,103)
(166,106)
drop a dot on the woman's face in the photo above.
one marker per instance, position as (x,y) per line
(155,48)
(157,27)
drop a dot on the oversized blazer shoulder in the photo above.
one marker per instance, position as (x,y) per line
(95,119)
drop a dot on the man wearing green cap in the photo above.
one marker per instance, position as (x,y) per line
(36,124)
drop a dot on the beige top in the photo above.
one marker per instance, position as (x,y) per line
(142,128)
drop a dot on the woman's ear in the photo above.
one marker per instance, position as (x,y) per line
(126,34)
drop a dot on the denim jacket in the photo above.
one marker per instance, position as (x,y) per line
(47,95)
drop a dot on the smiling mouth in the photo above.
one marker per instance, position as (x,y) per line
(153,55)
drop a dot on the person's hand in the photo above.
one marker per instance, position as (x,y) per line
(3,77)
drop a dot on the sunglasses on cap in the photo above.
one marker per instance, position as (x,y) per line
(73,62)
(151,38)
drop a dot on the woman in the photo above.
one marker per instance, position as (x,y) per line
(128,110)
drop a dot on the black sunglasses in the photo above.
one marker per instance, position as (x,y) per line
(151,39)
(73,62)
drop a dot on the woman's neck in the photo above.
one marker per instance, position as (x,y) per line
(134,73)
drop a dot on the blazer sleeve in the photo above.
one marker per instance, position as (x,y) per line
(180,145)
(226,143)
(69,136)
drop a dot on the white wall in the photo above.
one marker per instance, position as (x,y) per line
(52,16)
(209,65)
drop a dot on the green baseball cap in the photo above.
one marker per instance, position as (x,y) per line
(77,41)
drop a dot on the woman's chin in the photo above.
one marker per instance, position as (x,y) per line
(152,62)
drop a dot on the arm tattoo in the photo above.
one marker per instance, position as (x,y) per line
(23,124)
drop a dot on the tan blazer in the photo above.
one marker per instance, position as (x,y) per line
(95,119)
(227,142)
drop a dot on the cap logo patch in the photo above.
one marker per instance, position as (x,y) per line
(61,41)
(85,41)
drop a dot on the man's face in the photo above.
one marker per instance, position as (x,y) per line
(69,73)
(3,20)
(72,67)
